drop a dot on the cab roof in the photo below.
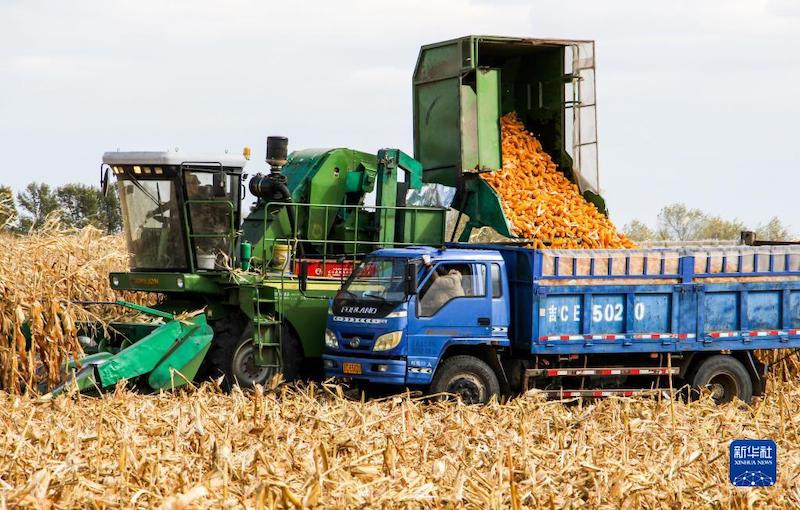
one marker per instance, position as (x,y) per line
(173,158)
(440,254)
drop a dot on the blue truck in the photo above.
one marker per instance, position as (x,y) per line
(480,321)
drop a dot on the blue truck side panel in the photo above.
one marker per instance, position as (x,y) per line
(665,311)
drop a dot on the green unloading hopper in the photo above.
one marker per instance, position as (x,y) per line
(463,86)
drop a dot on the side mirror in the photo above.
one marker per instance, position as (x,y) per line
(412,269)
(303,281)
(341,261)
(105,178)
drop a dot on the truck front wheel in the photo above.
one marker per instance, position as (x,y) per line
(468,378)
(726,377)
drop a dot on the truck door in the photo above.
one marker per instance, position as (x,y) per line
(499,302)
(451,305)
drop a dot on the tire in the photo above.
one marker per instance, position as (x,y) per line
(227,332)
(726,377)
(468,378)
(241,369)
(232,356)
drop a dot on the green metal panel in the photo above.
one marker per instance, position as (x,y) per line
(488,129)
(167,282)
(329,184)
(482,205)
(438,61)
(318,177)
(468,134)
(184,357)
(387,194)
(282,298)
(479,120)
(437,141)
(143,356)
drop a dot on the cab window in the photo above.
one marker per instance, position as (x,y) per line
(497,284)
(450,281)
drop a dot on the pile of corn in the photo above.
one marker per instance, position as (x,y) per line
(41,275)
(309,448)
(540,202)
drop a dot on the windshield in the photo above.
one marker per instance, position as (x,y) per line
(376,279)
(153,228)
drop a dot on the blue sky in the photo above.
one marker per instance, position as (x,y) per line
(697,99)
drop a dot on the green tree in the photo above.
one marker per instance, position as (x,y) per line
(8,208)
(85,205)
(638,231)
(110,216)
(37,201)
(676,222)
(679,223)
(714,227)
(774,230)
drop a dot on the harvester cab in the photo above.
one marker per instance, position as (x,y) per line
(181,214)
(463,87)
(180,211)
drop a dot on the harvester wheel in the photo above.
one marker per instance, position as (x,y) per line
(243,370)
(227,333)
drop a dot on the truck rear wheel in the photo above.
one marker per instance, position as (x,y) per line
(726,377)
(468,378)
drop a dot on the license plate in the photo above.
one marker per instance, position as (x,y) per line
(351,368)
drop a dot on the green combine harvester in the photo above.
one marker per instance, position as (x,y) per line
(231,301)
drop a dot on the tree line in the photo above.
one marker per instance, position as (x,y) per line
(677,222)
(79,205)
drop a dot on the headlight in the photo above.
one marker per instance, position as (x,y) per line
(388,341)
(330,339)
(115,281)
(397,313)
(179,282)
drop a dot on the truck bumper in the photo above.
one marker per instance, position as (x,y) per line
(380,371)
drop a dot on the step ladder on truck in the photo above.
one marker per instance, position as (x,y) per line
(486,320)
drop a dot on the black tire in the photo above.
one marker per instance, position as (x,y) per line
(241,369)
(231,356)
(227,332)
(468,378)
(726,377)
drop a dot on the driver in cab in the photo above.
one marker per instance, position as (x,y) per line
(442,287)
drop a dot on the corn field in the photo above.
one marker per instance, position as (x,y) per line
(308,446)
(42,276)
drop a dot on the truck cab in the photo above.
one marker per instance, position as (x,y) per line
(422,317)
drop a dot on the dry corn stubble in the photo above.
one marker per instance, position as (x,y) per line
(540,202)
(41,275)
(307,447)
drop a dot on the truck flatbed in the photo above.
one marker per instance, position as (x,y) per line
(658,300)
